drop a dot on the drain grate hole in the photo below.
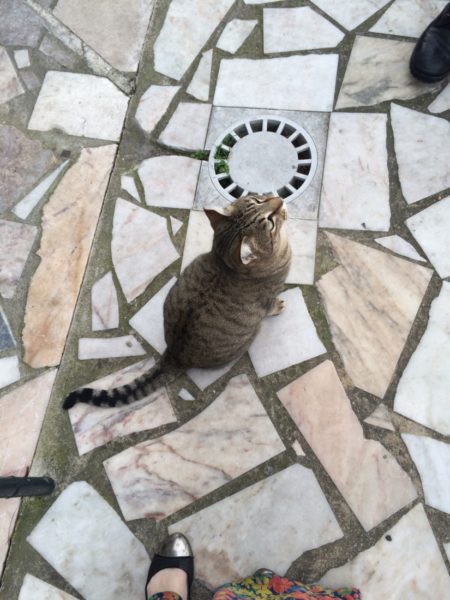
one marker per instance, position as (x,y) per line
(284,192)
(287,130)
(272,125)
(225,181)
(296,182)
(242,130)
(257,125)
(304,154)
(237,192)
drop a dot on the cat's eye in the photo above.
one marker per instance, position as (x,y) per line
(270,224)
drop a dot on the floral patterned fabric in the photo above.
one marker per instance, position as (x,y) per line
(267,585)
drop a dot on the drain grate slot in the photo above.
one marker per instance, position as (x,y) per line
(263,155)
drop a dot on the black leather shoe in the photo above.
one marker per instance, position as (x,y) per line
(174,553)
(430,60)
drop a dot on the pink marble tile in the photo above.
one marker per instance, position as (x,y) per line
(105,308)
(16,241)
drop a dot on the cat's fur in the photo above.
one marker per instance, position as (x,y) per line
(214,310)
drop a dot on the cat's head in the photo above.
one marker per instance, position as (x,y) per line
(250,234)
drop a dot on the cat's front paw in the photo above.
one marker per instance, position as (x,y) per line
(277,308)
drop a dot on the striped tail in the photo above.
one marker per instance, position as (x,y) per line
(162,374)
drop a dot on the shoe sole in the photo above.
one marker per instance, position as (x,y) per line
(425,77)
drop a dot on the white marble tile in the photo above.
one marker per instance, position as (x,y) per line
(30,201)
(350,13)
(397,244)
(80,104)
(431,228)
(7,341)
(367,475)
(94,426)
(205,377)
(199,237)
(290,29)
(141,247)
(355,189)
(81,524)
(128,183)
(22,58)
(380,417)
(447,550)
(200,82)
(153,104)
(149,320)
(287,339)
(261,1)
(231,436)
(302,237)
(371,301)
(16,241)
(185,32)
(175,225)
(206,195)
(116,31)
(36,589)
(297,448)
(187,126)
(407,556)
(9,370)
(235,33)
(9,508)
(185,395)
(441,102)
(104,305)
(378,70)
(420,140)
(169,181)
(422,392)
(432,459)
(126,345)
(10,85)
(297,82)
(408,17)
(291,501)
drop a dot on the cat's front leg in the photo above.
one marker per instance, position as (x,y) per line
(276,308)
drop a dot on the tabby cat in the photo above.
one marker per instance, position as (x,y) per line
(214,310)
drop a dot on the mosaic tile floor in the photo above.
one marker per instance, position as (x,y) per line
(324,452)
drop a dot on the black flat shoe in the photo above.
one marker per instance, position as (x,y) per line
(175,553)
(430,60)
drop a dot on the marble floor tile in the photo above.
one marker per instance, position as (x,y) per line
(141,247)
(350,13)
(422,392)
(80,104)
(22,163)
(380,417)
(36,589)
(19,25)
(16,241)
(125,345)
(185,395)
(69,220)
(149,320)
(199,237)
(408,17)
(442,101)
(7,341)
(156,478)
(287,339)
(378,70)
(128,183)
(431,229)
(355,189)
(94,427)
(9,509)
(407,556)
(366,474)
(104,305)
(199,86)
(58,51)
(185,32)
(175,225)
(291,29)
(116,32)
(22,58)
(32,199)
(447,550)
(206,195)
(291,501)
(420,140)
(297,82)
(9,370)
(297,448)
(81,524)
(235,34)
(169,181)
(397,244)
(371,301)
(432,459)
(302,237)
(205,377)
(187,126)
(153,104)
(10,85)
(30,79)
(261,1)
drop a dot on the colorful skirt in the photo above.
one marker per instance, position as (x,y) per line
(267,585)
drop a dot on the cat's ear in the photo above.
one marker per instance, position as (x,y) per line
(247,253)
(215,217)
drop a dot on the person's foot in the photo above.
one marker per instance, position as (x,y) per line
(169,580)
(430,60)
(172,568)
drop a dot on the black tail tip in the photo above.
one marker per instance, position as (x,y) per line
(70,401)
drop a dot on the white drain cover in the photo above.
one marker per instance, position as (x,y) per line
(263,155)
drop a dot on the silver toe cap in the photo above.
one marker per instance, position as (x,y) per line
(175,545)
